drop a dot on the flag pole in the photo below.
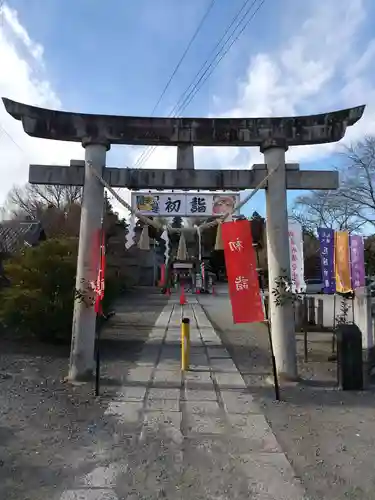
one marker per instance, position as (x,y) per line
(98,323)
(273,359)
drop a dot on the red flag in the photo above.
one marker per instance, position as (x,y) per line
(162,275)
(99,289)
(240,261)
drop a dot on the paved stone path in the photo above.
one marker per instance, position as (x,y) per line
(193,436)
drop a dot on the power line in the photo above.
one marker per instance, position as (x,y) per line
(194,87)
(193,83)
(2,129)
(188,100)
(207,12)
(147,152)
(145,155)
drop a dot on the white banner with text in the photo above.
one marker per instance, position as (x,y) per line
(184,204)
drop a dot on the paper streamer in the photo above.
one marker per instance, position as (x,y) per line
(129,237)
(165,237)
(199,243)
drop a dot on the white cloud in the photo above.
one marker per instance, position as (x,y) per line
(10,17)
(319,67)
(23,79)
(363,63)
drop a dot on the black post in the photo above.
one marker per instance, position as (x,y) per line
(274,369)
(304,327)
(353,296)
(334,325)
(97,359)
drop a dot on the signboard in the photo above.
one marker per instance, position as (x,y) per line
(184,204)
(182,265)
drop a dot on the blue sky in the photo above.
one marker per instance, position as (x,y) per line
(116,56)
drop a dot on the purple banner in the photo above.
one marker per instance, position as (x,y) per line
(357,262)
(327,245)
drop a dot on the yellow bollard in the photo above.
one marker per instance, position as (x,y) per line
(185,344)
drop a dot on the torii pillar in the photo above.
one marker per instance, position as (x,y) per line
(84,316)
(272,135)
(282,318)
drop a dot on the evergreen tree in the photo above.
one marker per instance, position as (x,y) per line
(175,237)
(257,229)
(177,222)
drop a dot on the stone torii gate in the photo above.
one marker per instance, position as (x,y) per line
(272,135)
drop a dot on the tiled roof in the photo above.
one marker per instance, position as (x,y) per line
(15,234)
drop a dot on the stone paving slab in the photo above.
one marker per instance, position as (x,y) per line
(197,435)
(162,393)
(89,494)
(274,470)
(163,404)
(239,401)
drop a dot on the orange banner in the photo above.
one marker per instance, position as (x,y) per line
(342,262)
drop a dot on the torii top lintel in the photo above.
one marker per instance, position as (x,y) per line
(89,128)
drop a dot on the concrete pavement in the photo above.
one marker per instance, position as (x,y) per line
(197,435)
(326,434)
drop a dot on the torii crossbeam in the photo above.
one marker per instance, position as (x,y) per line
(215,180)
(272,135)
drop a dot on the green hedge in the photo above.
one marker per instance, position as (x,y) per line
(40,299)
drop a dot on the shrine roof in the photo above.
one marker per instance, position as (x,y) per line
(112,129)
(16,234)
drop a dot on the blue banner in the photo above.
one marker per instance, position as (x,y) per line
(327,246)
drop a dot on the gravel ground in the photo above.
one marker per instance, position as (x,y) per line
(51,431)
(327,435)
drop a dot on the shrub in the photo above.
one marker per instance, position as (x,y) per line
(40,298)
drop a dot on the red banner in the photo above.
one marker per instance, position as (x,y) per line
(243,282)
(99,288)
(162,275)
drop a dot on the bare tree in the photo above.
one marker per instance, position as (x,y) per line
(352,206)
(358,179)
(327,209)
(32,199)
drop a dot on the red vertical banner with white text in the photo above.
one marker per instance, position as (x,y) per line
(162,275)
(243,282)
(99,288)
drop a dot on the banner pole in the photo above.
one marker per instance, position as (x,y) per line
(97,358)
(334,325)
(99,299)
(273,359)
(304,327)
(353,297)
